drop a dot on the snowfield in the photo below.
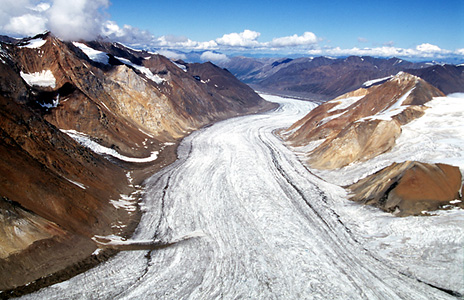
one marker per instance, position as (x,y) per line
(272,230)
(44,78)
(85,141)
(144,70)
(374,81)
(95,55)
(35,43)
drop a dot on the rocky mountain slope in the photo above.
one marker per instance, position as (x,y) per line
(61,100)
(362,125)
(410,187)
(323,78)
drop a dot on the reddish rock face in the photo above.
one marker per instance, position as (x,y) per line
(357,129)
(410,188)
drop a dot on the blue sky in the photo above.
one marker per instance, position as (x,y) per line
(345,24)
(407,28)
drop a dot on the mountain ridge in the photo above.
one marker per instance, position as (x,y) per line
(362,125)
(324,78)
(75,117)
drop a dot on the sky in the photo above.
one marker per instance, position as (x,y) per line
(406,28)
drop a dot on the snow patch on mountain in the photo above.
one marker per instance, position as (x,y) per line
(85,141)
(55,103)
(125,202)
(44,78)
(34,44)
(391,111)
(180,66)
(436,137)
(344,103)
(330,118)
(95,55)
(374,81)
(144,70)
(77,183)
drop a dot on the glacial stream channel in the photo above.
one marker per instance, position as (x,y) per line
(267,228)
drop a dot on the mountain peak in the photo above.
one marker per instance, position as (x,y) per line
(364,124)
(405,76)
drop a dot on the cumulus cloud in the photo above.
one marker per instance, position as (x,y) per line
(86,19)
(460,51)
(428,48)
(308,38)
(126,34)
(25,25)
(77,19)
(172,54)
(21,17)
(247,39)
(420,51)
(213,57)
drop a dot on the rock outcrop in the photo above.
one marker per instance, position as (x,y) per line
(411,188)
(56,194)
(356,128)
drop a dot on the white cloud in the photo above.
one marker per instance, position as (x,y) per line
(27,24)
(460,52)
(19,18)
(181,42)
(175,42)
(126,34)
(77,19)
(247,39)
(428,48)
(362,40)
(214,57)
(420,51)
(308,38)
(172,54)
(41,7)
(86,19)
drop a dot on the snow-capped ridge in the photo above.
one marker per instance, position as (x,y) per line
(404,76)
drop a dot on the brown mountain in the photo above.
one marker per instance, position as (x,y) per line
(360,128)
(447,78)
(410,188)
(365,123)
(55,193)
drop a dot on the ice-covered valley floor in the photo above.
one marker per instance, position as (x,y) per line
(266,228)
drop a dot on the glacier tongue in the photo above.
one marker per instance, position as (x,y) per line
(272,230)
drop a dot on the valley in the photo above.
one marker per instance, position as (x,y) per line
(125,174)
(263,227)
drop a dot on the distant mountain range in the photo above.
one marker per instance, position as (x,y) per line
(323,78)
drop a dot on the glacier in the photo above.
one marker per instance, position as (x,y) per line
(272,230)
